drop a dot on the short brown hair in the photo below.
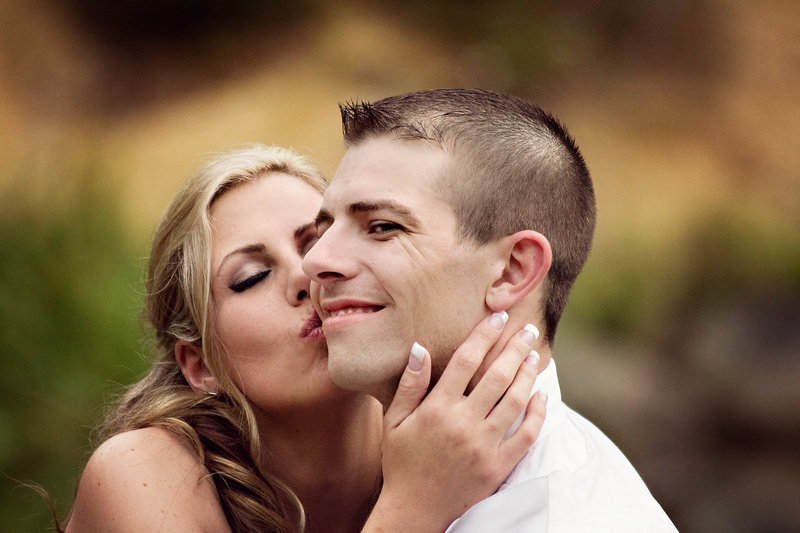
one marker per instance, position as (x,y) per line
(513,167)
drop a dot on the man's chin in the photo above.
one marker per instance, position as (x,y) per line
(369,371)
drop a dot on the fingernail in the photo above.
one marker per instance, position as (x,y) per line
(498,320)
(529,334)
(543,397)
(415,357)
(533,359)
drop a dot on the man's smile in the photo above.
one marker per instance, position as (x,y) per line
(351,310)
(339,311)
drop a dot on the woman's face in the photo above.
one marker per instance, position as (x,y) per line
(262,314)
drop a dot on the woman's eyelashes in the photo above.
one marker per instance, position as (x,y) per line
(246,283)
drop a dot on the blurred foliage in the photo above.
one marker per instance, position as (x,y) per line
(642,288)
(155,23)
(740,252)
(146,51)
(615,286)
(69,299)
(522,44)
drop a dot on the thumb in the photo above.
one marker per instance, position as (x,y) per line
(412,388)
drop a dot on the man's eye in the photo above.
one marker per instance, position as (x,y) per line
(243,285)
(383,227)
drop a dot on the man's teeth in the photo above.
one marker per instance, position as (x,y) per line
(351,310)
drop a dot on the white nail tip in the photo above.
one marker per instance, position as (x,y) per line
(503,316)
(532,329)
(418,352)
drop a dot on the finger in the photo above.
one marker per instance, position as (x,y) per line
(412,388)
(495,382)
(468,357)
(513,448)
(509,412)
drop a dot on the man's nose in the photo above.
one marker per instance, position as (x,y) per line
(331,258)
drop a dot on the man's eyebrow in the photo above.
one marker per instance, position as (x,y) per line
(382,205)
(324,216)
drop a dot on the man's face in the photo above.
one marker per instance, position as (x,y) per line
(388,267)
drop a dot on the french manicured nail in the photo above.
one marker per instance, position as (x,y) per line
(543,397)
(533,359)
(415,357)
(498,320)
(529,334)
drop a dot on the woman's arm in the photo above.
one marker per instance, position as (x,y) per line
(447,453)
(145,480)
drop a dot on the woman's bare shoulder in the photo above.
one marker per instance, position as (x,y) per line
(146,480)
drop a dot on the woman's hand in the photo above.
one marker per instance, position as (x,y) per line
(445,454)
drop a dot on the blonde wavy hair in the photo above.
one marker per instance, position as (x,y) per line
(178,306)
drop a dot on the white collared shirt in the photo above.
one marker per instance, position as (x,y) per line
(573,480)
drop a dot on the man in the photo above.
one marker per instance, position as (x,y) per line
(448,206)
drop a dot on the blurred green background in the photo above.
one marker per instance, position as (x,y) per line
(682,339)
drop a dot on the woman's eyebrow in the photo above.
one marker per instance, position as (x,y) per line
(322,217)
(247,249)
(302,230)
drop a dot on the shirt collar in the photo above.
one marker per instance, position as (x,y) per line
(547,381)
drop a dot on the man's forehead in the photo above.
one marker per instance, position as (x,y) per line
(381,169)
(352,200)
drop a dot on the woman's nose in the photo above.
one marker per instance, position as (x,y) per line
(298,286)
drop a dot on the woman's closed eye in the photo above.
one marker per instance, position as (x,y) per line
(246,283)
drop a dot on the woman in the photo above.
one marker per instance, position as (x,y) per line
(238,427)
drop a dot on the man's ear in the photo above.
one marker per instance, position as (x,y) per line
(526,260)
(190,358)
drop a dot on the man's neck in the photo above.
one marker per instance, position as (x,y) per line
(512,328)
(385,392)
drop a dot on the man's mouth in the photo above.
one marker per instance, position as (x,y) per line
(351,310)
(345,311)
